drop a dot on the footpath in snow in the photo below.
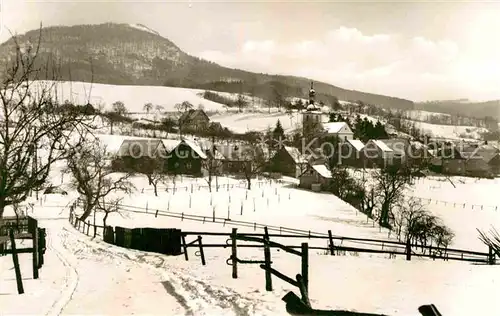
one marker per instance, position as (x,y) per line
(85,276)
(79,279)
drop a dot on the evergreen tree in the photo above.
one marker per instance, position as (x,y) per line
(278,130)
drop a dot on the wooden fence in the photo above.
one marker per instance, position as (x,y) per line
(164,241)
(88,228)
(295,305)
(24,228)
(335,244)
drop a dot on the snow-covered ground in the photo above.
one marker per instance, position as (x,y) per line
(255,117)
(134,97)
(451,131)
(244,122)
(421,115)
(82,275)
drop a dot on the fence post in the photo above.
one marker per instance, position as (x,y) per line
(33,229)
(234,253)
(408,250)
(15,259)
(88,227)
(491,255)
(267,261)
(41,246)
(305,264)
(331,246)
(202,254)
(184,245)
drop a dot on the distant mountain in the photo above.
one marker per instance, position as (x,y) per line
(463,107)
(136,55)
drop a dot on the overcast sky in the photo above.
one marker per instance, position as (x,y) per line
(414,50)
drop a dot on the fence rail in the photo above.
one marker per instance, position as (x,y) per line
(336,244)
(395,248)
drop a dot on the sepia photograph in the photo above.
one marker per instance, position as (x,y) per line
(249,157)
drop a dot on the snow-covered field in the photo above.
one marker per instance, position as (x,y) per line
(244,122)
(255,117)
(421,115)
(82,275)
(134,97)
(451,131)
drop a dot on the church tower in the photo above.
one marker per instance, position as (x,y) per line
(311,118)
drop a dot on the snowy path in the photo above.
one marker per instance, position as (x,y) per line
(77,279)
(190,296)
(83,276)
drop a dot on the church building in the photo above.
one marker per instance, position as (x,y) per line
(313,127)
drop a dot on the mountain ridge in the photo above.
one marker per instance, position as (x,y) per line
(134,54)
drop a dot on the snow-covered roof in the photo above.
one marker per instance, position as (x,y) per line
(139,147)
(356,143)
(197,149)
(296,155)
(311,107)
(334,127)
(170,144)
(323,171)
(416,144)
(380,144)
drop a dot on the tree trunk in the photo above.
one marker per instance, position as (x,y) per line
(249,183)
(209,182)
(155,187)
(384,215)
(86,212)
(105,218)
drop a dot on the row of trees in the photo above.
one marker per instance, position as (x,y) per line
(385,202)
(363,129)
(32,137)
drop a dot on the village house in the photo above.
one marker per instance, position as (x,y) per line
(447,159)
(340,130)
(237,158)
(196,120)
(288,161)
(316,178)
(186,158)
(351,153)
(133,154)
(419,154)
(376,153)
(181,156)
(400,149)
(480,160)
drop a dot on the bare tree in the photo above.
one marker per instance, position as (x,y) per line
(148,107)
(212,165)
(368,201)
(492,241)
(159,108)
(92,178)
(418,225)
(183,108)
(255,159)
(407,215)
(119,108)
(31,121)
(241,102)
(154,169)
(112,206)
(391,182)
